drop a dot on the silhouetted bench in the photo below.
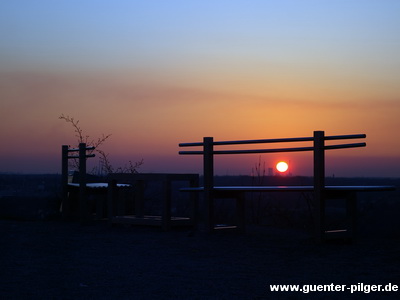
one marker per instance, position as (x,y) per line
(166,220)
(319,189)
(77,187)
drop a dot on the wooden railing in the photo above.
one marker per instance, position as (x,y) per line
(321,192)
(81,155)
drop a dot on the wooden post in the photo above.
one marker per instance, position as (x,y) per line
(208,156)
(319,184)
(194,197)
(166,214)
(351,214)
(65,205)
(111,199)
(240,211)
(83,205)
(139,198)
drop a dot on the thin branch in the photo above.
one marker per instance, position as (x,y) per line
(75,125)
(103,157)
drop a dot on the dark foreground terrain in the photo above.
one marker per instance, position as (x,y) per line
(42,257)
(64,260)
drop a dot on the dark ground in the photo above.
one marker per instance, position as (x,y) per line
(42,257)
(64,260)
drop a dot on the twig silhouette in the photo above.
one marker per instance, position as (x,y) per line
(106,166)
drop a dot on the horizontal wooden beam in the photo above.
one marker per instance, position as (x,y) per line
(343,146)
(77,156)
(298,149)
(345,137)
(77,149)
(281,140)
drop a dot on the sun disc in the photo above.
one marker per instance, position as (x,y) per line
(282,166)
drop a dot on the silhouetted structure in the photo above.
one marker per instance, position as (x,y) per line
(319,189)
(121,207)
(165,219)
(76,187)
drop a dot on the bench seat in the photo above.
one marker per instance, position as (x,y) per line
(348,193)
(301,188)
(98,185)
(319,189)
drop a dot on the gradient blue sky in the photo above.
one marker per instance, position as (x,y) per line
(156,73)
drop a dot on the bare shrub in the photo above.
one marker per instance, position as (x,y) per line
(105,166)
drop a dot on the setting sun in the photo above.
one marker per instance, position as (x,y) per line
(282,166)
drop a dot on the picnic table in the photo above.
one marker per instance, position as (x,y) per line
(319,189)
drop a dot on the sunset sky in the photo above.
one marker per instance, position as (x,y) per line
(156,73)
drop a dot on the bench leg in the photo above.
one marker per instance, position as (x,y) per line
(319,219)
(66,206)
(240,212)
(110,201)
(349,232)
(99,203)
(194,202)
(83,205)
(351,214)
(209,211)
(166,214)
(139,198)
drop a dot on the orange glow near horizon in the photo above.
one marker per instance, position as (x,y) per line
(148,121)
(168,77)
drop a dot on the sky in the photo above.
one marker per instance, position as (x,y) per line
(157,73)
